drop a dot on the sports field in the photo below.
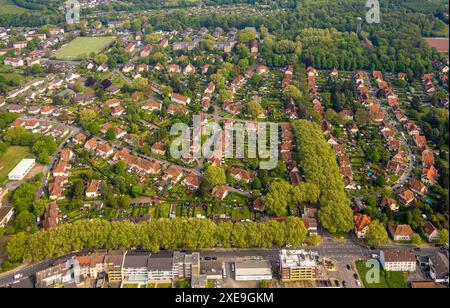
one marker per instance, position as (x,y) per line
(83,46)
(9,159)
(9,7)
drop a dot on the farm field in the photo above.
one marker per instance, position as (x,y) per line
(11,158)
(83,46)
(8,7)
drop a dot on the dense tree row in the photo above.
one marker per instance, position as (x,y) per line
(153,235)
(318,163)
(42,146)
(326,32)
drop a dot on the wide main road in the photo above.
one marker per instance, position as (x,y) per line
(343,251)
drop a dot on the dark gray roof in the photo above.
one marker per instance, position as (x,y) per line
(161,264)
(136,260)
(23,284)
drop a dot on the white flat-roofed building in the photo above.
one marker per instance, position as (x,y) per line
(21,170)
(253,270)
(298,264)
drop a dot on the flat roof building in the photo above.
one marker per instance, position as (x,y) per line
(160,269)
(298,265)
(186,265)
(21,170)
(253,270)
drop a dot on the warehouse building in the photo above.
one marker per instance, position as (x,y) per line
(296,265)
(253,270)
(22,169)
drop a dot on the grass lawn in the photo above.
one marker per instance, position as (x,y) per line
(9,159)
(389,280)
(8,7)
(164,286)
(83,46)
(163,210)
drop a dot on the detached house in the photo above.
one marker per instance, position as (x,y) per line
(62,169)
(173,174)
(189,70)
(79,139)
(431,232)
(241,175)
(174,68)
(91,144)
(13,62)
(152,106)
(104,150)
(430,175)
(362,223)
(262,70)
(406,197)
(159,148)
(180,99)
(112,103)
(418,187)
(66,155)
(391,203)
(192,181)
(401,232)
(220,192)
(118,111)
(92,190)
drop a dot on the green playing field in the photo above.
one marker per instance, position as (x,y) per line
(8,7)
(83,46)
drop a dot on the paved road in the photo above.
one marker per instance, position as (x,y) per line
(32,269)
(342,251)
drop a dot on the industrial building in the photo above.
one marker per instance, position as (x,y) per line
(22,169)
(296,265)
(253,270)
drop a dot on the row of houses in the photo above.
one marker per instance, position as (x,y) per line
(123,267)
(35,87)
(430,174)
(291,109)
(427,83)
(312,88)
(42,127)
(398,233)
(140,268)
(61,173)
(207,95)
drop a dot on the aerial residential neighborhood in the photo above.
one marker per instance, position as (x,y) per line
(221,144)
